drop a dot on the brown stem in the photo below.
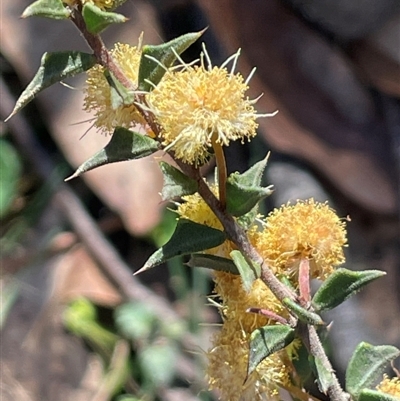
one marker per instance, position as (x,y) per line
(100,51)
(334,390)
(237,235)
(106,60)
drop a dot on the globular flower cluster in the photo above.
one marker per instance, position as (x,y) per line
(306,230)
(199,106)
(98,97)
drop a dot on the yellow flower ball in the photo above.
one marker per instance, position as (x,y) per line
(307,230)
(196,106)
(98,92)
(390,386)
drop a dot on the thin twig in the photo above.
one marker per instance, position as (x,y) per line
(334,390)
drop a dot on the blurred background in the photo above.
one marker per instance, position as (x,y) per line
(75,324)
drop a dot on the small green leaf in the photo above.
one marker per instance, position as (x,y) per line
(367,365)
(267,340)
(303,314)
(253,176)
(124,145)
(248,270)
(176,183)
(150,70)
(341,285)
(374,395)
(10,171)
(54,67)
(244,191)
(47,8)
(213,262)
(241,200)
(80,317)
(325,378)
(97,20)
(135,320)
(189,237)
(157,363)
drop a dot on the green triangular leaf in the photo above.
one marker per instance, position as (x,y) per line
(341,285)
(150,70)
(303,314)
(243,191)
(176,183)
(367,365)
(97,20)
(54,67)
(189,237)
(253,176)
(248,270)
(374,395)
(267,340)
(124,145)
(213,262)
(241,200)
(47,8)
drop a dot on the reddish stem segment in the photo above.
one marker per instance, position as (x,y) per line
(304,282)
